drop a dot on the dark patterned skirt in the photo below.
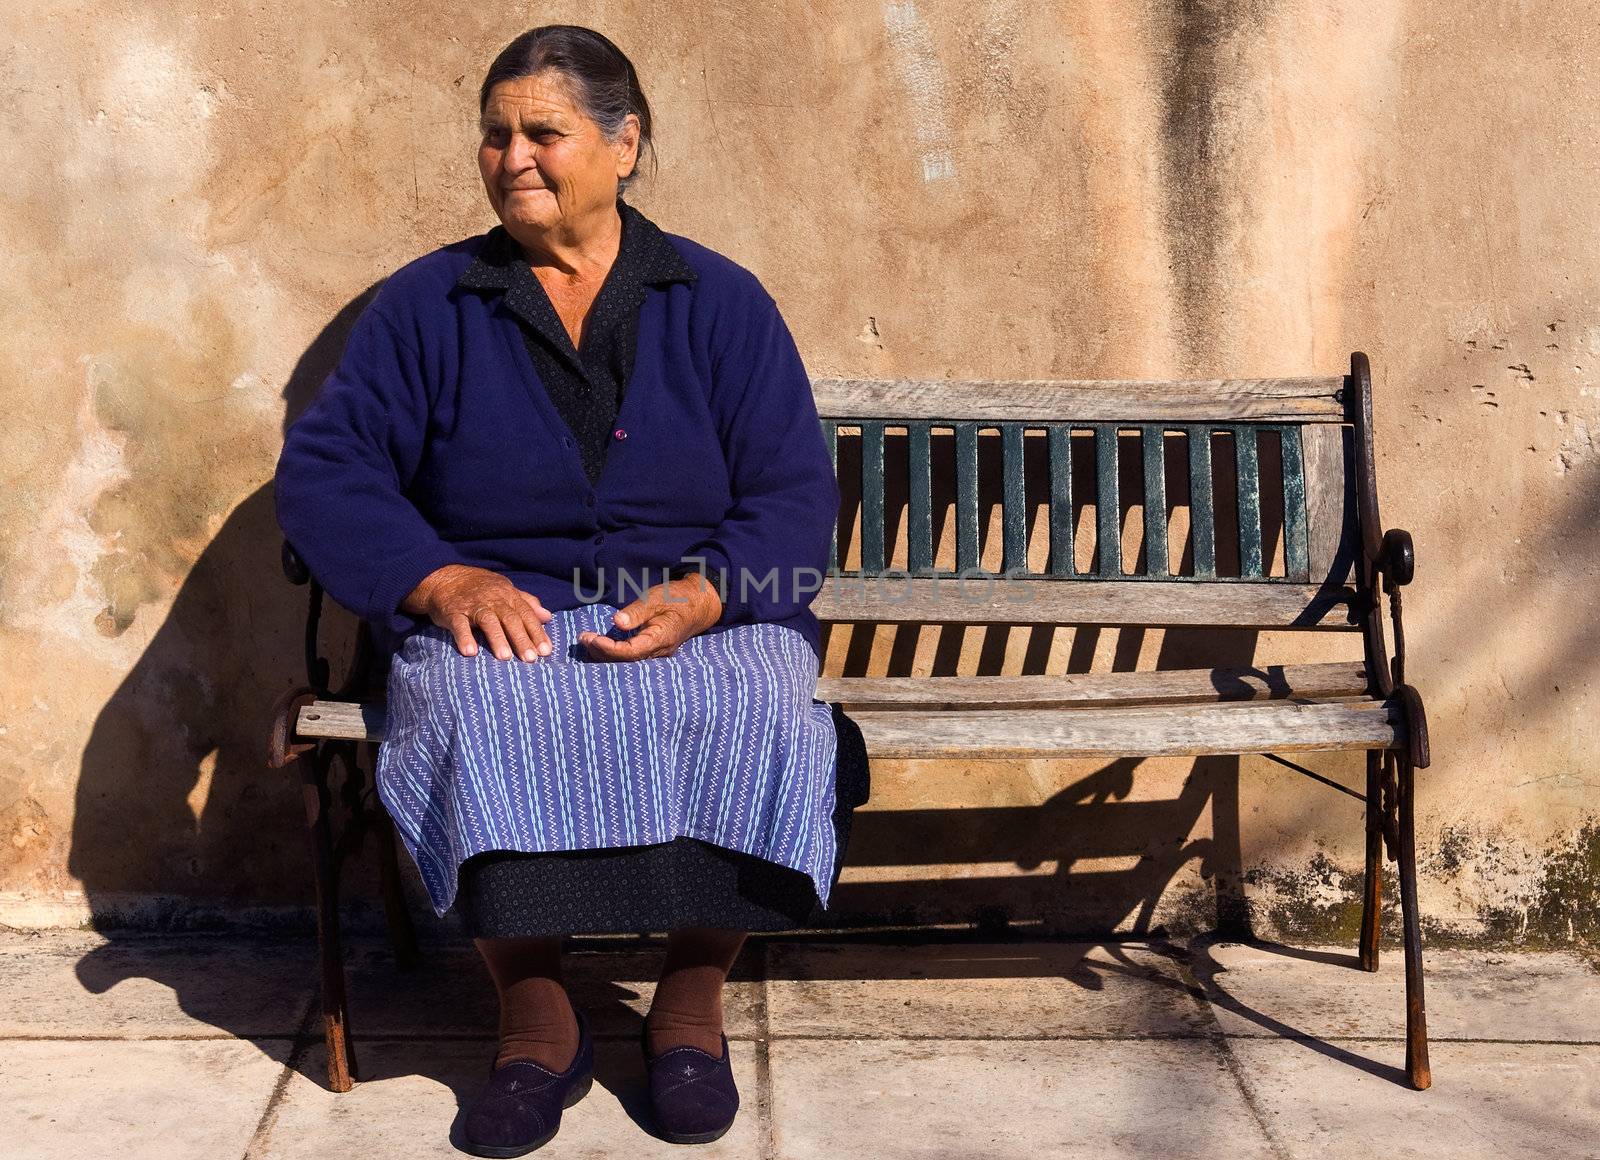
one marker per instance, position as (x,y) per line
(637,889)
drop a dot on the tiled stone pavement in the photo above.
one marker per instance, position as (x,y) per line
(208,1048)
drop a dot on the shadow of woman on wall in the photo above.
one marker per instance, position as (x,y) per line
(179,825)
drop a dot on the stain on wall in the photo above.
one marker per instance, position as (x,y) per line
(1209,72)
(983,190)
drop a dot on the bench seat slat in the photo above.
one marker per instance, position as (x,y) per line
(1103,690)
(342,720)
(990,600)
(1066,716)
(1179,730)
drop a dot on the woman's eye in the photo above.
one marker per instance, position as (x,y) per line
(500,138)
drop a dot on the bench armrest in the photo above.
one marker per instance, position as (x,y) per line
(1397,561)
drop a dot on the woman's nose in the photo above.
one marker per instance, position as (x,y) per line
(521,154)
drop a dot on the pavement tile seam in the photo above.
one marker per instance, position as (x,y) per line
(1195,987)
(763,1055)
(171,1037)
(308,1036)
(958,1037)
(1251,1099)
(445,1037)
(261,1138)
(1308,1038)
(614,1037)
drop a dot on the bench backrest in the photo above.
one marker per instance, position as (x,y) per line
(1254,481)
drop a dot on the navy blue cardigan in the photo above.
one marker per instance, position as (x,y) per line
(433,442)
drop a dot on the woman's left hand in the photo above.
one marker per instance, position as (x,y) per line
(665,616)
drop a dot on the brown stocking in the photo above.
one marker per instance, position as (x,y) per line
(687,1007)
(536,1018)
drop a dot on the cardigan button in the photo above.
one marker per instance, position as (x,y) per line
(600,537)
(620,433)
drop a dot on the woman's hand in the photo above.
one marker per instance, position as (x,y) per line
(665,616)
(461,598)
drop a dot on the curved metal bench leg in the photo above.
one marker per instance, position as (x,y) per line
(312,761)
(1417,1069)
(1372,898)
(342,1069)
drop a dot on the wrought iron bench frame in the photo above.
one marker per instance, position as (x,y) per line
(1338,565)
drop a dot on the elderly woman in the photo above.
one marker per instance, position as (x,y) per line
(593,445)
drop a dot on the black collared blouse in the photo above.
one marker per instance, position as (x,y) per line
(586,385)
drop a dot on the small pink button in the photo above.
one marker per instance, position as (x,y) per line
(620,433)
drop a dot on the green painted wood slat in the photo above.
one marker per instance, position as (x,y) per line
(830,433)
(919,499)
(1152,438)
(966,496)
(1107,502)
(1059,438)
(1202,502)
(1296,554)
(1247,473)
(872,549)
(1014,503)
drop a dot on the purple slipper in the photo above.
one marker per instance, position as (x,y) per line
(691,1093)
(519,1108)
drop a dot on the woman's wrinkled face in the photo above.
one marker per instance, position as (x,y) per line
(546,166)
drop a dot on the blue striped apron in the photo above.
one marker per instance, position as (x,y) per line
(720,741)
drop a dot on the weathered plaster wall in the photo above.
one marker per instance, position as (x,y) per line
(197,201)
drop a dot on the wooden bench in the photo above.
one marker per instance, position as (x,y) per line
(1268,519)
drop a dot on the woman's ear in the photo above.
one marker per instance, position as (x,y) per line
(628,146)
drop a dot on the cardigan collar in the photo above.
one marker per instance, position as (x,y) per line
(644,257)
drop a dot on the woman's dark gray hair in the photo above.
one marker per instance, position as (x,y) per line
(602,78)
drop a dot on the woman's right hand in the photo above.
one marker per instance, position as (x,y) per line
(460,597)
